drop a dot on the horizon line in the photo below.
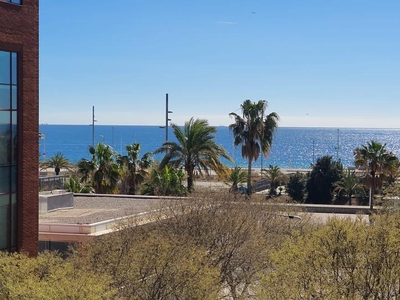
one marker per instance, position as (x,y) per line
(163,126)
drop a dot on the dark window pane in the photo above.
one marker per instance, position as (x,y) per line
(4,67)
(14,97)
(13,179)
(14,68)
(14,216)
(4,180)
(14,139)
(5,138)
(4,200)
(4,96)
(5,149)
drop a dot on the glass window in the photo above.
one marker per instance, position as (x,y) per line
(4,96)
(5,138)
(14,179)
(8,148)
(14,96)
(3,226)
(5,141)
(4,220)
(4,180)
(14,146)
(14,66)
(13,1)
(5,67)
(14,224)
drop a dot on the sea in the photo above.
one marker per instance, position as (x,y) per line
(292,147)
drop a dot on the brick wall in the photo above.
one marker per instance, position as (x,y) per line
(19,31)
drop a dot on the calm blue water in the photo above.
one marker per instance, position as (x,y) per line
(292,147)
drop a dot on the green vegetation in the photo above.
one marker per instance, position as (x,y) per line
(349,184)
(102,171)
(275,177)
(379,164)
(58,162)
(296,186)
(210,246)
(74,185)
(133,169)
(320,184)
(195,149)
(254,131)
(165,182)
(49,277)
(342,259)
(235,177)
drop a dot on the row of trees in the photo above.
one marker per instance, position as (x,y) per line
(377,167)
(219,249)
(194,151)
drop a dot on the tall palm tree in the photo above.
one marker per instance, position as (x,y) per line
(195,149)
(58,162)
(102,170)
(133,167)
(275,176)
(254,131)
(349,183)
(379,162)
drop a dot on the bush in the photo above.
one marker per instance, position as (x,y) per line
(296,186)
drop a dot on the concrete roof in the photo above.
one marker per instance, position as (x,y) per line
(94,215)
(94,209)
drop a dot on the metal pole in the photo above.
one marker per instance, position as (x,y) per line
(337,145)
(166,117)
(313,151)
(92,126)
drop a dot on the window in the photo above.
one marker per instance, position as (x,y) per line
(8,149)
(12,1)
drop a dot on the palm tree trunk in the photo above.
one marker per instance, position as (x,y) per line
(189,172)
(249,189)
(190,183)
(372,191)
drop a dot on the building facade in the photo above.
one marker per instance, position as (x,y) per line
(19,113)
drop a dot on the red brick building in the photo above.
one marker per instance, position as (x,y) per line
(19,112)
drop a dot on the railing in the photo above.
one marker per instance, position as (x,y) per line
(49,183)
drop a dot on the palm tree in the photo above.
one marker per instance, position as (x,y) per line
(195,149)
(135,169)
(235,177)
(102,170)
(254,132)
(379,162)
(275,176)
(349,183)
(58,162)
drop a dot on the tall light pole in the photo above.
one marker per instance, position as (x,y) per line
(167,119)
(313,151)
(337,147)
(93,120)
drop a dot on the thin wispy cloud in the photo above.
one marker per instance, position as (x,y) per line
(226,23)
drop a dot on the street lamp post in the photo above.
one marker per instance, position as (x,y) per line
(167,119)
(93,120)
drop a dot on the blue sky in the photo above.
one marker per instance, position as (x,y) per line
(317,63)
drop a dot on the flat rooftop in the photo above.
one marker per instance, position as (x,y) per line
(96,215)
(93,209)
